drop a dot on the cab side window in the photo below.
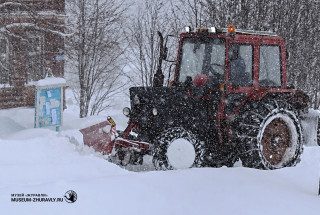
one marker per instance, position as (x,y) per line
(241,64)
(270,66)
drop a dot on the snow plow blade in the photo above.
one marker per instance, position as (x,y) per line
(100,137)
(104,138)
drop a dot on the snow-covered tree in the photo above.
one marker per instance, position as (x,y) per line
(143,51)
(95,51)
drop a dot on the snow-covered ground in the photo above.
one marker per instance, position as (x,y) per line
(42,161)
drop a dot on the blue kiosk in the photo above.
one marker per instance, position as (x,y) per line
(49,102)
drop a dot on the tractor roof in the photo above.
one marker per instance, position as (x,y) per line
(230,30)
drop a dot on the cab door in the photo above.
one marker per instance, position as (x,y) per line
(240,74)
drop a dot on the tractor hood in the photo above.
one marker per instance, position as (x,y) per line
(155,109)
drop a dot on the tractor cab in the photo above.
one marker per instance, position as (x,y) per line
(232,60)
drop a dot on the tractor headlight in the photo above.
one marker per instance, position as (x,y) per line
(155,111)
(126,111)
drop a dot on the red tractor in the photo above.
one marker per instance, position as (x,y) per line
(229,100)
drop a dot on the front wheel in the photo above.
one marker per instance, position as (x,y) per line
(177,148)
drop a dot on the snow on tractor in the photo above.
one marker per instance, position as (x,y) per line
(229,100)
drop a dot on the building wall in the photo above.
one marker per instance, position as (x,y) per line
(31,51)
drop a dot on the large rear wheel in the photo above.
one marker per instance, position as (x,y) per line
(269,135)
(176,148)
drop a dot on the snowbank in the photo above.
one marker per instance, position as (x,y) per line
(39,156)
(42,161)
(49,164)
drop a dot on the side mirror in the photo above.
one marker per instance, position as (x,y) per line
(166,47)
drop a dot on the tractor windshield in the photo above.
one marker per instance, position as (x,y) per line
(202,56)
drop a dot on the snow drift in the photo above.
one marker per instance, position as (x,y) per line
(43,161)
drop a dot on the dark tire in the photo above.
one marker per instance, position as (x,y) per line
(269,135)
(172,146)
(122,157)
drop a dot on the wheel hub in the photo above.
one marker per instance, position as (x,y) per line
(181,154)
(275,141)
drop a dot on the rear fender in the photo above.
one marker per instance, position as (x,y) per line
(297,98)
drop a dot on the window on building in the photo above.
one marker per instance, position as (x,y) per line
(270,66)
(34,59)
(4,62)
